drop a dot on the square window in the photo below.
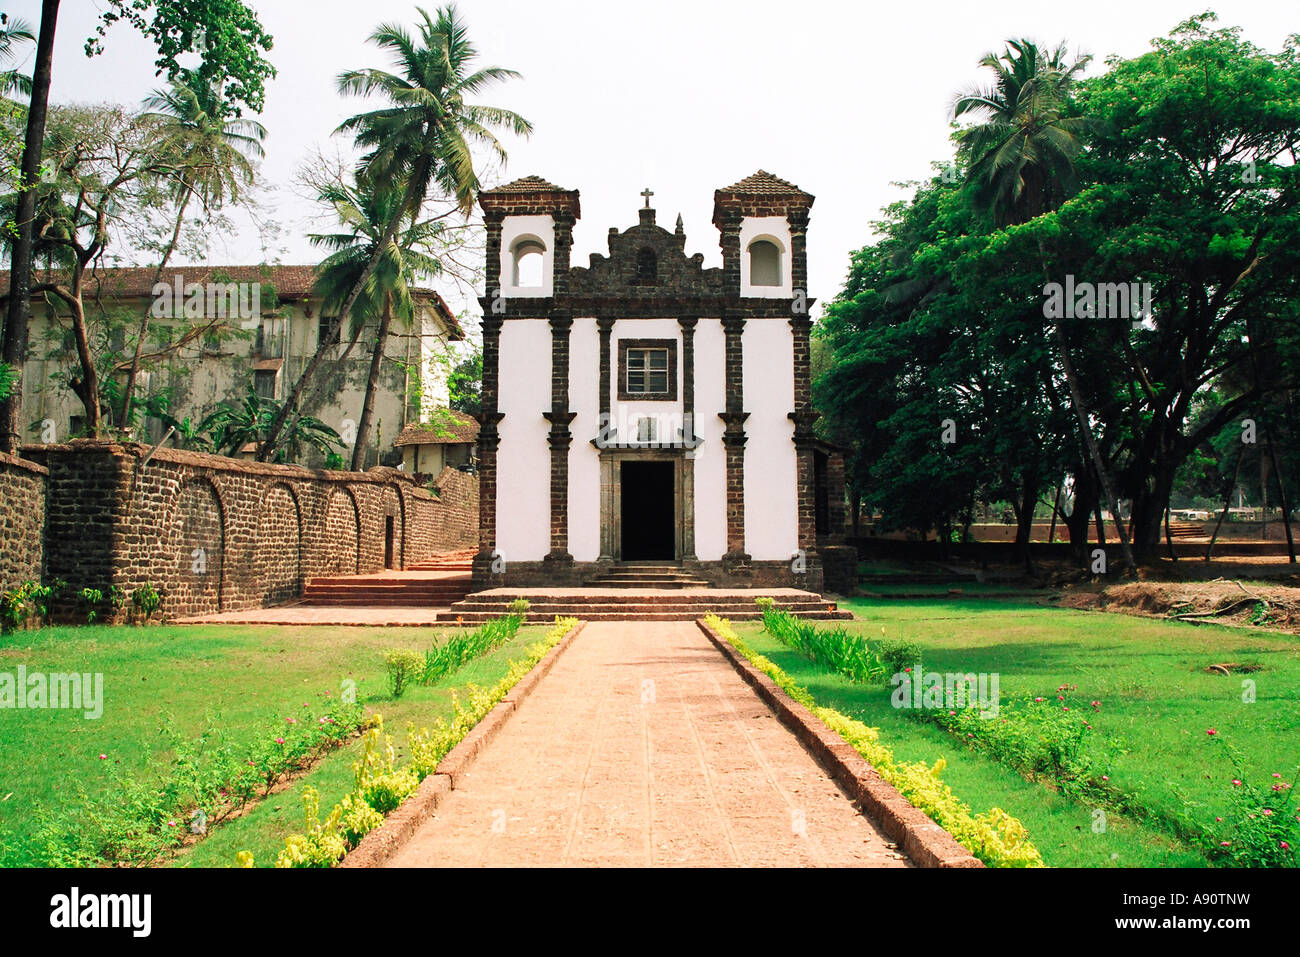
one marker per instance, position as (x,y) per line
(647,369)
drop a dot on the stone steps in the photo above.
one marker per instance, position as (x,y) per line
(617,604)
(386,591)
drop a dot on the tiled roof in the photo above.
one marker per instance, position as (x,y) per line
(526,184)
(763,183)
(448,427)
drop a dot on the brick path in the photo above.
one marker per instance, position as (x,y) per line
(644,747)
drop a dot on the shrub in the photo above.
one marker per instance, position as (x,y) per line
(836,648)
(403,666)
(520,606)
(1259,828)
(90,599)
(29,599)
(458,649)
(147,600)
(900,655)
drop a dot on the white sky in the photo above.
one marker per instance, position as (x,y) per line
(843,99)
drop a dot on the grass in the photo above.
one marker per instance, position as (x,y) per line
(245,678)
(1156,699)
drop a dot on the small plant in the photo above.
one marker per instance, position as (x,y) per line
(146,600)
(1262,827)
(520,606)
(403,666)
(900,655)
(91,598)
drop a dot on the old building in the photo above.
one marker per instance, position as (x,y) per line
(644,408)
(261,325)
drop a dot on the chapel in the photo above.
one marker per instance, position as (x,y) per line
(645,412)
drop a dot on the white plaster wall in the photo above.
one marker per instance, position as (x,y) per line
(524,458)
(771,468)
(776,228)
(710,458)
(626,414)
(584,460)
(512,227)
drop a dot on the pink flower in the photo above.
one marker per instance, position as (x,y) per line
(279,740)
(1236,783)
(1218,819)
(103,757)
(1225,844)
(908,670)
(1284,845)
(1268,812)
(1276,775)
(1096,704)
(1067,707)
(1038,699)
(1105,777)
(1211,732)
(1060,697)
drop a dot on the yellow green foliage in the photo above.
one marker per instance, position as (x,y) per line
(995,837)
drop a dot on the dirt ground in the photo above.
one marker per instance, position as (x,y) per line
(1223,601)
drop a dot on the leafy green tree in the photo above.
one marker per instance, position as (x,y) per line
(423,138)
(211,156)
(230,41)
(12,33)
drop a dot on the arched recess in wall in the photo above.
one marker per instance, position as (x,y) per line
(277,560)
(527,262)
(197,550)
(392,506)
(766,261)
(343,532)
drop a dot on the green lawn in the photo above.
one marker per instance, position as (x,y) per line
(243,678)
(1157,702)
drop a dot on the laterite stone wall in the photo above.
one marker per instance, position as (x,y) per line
(22,521)
(219,534)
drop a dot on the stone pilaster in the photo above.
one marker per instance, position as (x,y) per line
(605,327)
(560,438)
(487,565)
(688,324)
(736,560)
(729,240)
(805,440)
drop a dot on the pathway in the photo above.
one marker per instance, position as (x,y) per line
(644,747)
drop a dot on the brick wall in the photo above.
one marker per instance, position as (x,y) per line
(22,521)
(218,534)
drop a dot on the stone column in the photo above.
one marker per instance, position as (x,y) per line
(605,327)
(487,568)
(729,240)
(736,560)
(805,566)
(559,438)
(688,324)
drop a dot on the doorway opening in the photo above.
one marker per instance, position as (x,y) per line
(649,511)
(390,541)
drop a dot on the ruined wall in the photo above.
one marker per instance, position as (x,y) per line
(218,534)
(22,521)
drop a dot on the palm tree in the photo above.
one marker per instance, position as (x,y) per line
(365,211)
(232,425)
(13,32)
(423,138)
(1022,153)
(1021,160)
(213,154)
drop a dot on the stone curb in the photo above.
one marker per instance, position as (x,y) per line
(379,846)
(923,841)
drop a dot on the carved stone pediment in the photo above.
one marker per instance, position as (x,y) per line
(646,262)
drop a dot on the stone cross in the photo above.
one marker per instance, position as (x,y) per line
(647,193)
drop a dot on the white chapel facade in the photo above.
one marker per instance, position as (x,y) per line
(645,409)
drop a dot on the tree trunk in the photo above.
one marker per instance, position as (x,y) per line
(372,385)
(124,415)
(86,386)
(20,275)
(291,403)
(1056,508)
(1094,450)
(1227,504)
